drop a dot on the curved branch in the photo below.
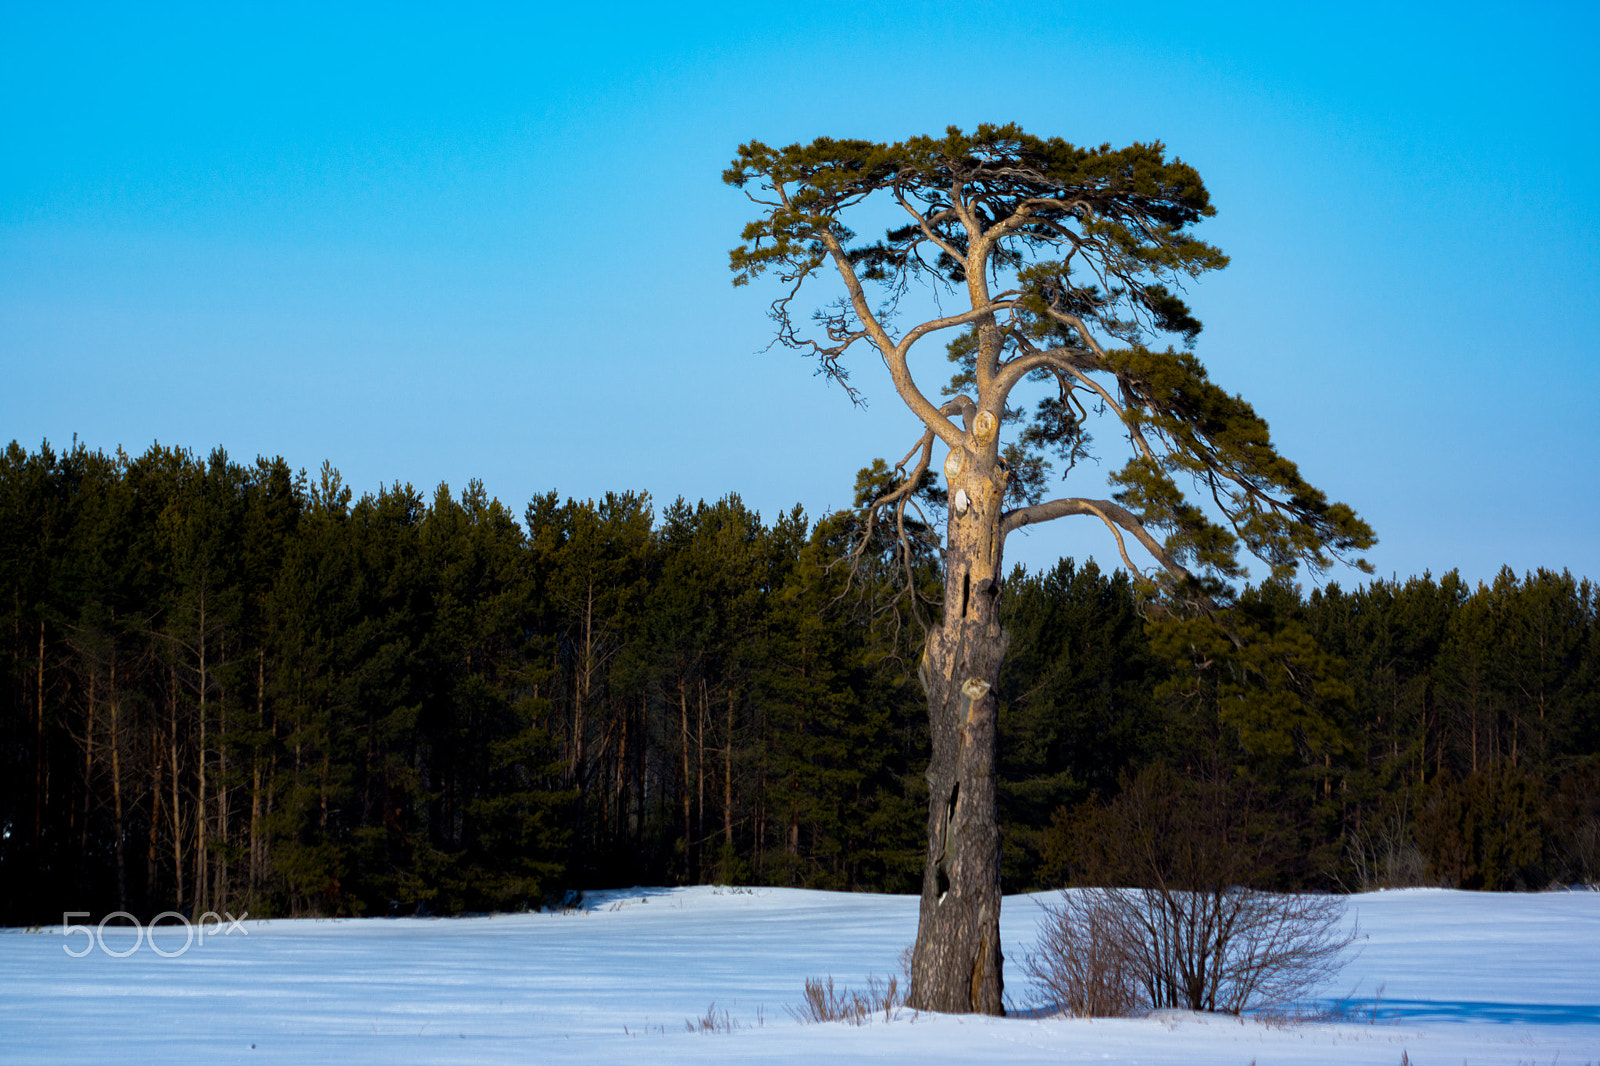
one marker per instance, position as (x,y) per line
(1026,213)
(894,355)
(925,328)
(1069,319)
(1014,370)
(926,225)
(1056,359)
(858,295)
(1113,515)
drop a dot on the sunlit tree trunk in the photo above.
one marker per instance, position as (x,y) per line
(956,965)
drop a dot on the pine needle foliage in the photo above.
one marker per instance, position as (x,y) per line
(1075,260)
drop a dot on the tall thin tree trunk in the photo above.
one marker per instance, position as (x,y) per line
(270,789)
(88,767)
(202,884)
(1474,729)
(255,775)
(38,743)
(177,809)
(115,739)
(1438,748)
(153,837)
(700,764)
(641,753)
(619,776)
(222,789)
(688,839)
(323,792)
(727,779)
(761,818)
(581,692)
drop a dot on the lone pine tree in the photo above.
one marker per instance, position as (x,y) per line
(1063,263)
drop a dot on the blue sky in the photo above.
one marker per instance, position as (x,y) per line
(432,246)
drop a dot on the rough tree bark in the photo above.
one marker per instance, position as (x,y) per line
(956,964)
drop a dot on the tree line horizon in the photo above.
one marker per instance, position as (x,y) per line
(233,686)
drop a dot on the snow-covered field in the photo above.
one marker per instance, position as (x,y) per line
(1463,977)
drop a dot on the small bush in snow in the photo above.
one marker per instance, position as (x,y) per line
(1113,952)
(1182,932)
(824,1003)
(715,1021)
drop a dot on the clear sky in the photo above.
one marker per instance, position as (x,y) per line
(430,245)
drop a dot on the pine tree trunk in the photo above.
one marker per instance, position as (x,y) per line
(640,802)
(619,775)
(88,768)
(38,743)
(688,829)
(221,876)
(177,810)
(153,836)
(582,686)
(255,775)
(727,780)
(956,964)
(700,766)
(116,790)
(202,896)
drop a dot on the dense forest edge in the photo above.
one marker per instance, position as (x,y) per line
(230,686)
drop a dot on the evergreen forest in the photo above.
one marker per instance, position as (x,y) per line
(231,686)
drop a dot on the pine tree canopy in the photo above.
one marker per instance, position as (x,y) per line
(1068,265)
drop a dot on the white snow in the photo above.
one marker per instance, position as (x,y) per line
(1465,977)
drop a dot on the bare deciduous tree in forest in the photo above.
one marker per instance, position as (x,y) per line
(1062,263)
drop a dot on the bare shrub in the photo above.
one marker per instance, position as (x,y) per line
(1268,949)
(824,1003)
(1386,856)
(1179,929)
(1079,964)
(1115,952)
(1581,852)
